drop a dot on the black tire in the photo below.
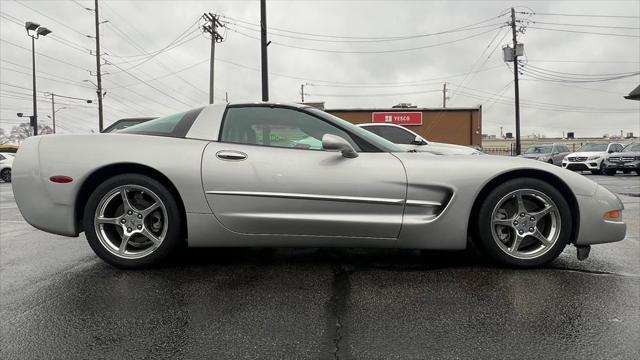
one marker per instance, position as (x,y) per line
(626,171)
(5,175)
(638,172)
(172,238)
(599,171)
(610,172)
(485,238)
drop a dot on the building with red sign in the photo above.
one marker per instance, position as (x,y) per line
(461,126)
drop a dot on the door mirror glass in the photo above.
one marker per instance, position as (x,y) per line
(336,143)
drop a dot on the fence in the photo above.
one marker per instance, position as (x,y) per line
(511,149)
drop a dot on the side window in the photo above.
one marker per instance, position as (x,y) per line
(257,125)
(2,157)
(393,134)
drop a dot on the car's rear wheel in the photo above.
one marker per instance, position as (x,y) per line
(524,223)
(132,221)
(5,175)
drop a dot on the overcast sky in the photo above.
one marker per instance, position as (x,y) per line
(348,52)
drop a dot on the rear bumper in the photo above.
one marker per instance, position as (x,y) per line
(37,203)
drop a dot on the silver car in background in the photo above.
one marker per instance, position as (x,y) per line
(239,175)
(549,153)
(627,160)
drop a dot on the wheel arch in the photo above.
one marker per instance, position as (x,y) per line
(552,179)
(106,172)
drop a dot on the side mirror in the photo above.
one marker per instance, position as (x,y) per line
(336,143)
(418,141)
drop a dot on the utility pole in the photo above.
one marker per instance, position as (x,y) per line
(302,92)
(98,73)
(53,111)
(444,96)
(263,50)
(515,79)
(53,106)
(211,27)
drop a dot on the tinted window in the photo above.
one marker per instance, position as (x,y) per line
(632,147)
(593,147)
(2,157)
(277,127)
(539,149)
(393,134)
(172,125)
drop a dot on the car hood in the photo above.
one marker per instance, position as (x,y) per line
(587,153)
(535,155)
(626,153)
(442,149)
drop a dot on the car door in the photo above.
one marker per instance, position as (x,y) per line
(557,155)
(268,174)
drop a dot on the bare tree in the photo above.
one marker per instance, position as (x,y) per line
(24,130)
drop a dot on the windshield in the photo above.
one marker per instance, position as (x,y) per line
(539,149)
(368,136)
(593,147)
(632,147)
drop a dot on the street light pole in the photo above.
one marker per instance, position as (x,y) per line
(34,119)
(35,31)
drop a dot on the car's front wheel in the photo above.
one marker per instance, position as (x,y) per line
(5,175)
(610,172)
(132,221)
(524,222)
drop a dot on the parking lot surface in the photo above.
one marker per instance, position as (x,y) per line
(59,301)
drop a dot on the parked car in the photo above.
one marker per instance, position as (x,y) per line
(411,141)
(549,153)
(231,175)
(626,161)
(125,123)
(590,157)
(6,162)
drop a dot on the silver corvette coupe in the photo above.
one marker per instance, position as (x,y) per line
(248,175)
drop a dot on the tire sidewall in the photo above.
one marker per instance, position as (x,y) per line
(172,237)
(485,237)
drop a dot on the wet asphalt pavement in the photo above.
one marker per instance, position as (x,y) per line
(58,301)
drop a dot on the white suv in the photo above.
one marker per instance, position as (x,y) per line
(6,160)
(411,141)
(590,157)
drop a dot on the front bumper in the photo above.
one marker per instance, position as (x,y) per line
(585,165)
(622,164)
(594,229)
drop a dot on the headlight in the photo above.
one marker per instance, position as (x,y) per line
(543,158)
(595,157)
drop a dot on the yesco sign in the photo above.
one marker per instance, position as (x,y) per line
(400,118)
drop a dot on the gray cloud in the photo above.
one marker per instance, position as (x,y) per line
(151,25)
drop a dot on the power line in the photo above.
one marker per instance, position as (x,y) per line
(374,95)
(583,32)
(375,38)
(44,55)
(579,15)
(369,51)
(586,25)
(412,37)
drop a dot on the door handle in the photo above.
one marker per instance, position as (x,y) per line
(231,155)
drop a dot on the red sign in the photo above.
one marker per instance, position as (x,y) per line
(399,118)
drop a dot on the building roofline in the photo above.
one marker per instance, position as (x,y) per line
(404,109)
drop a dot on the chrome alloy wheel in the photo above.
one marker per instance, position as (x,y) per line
(131,221)
(525,223)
